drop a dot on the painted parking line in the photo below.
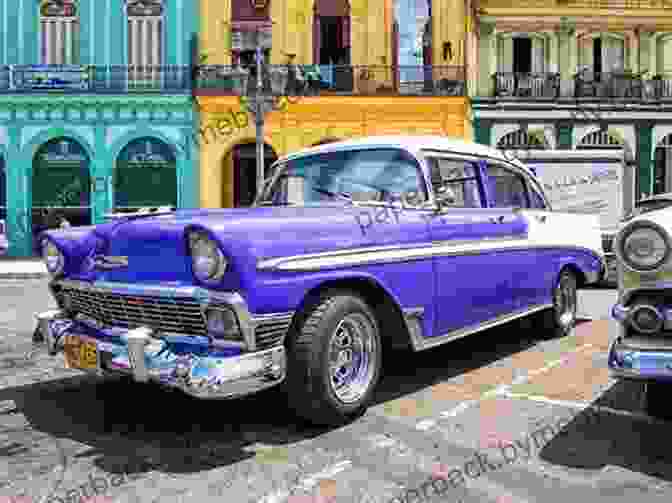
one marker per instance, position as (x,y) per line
(581,406)
(323,479)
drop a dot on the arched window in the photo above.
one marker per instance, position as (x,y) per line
(59,32)
(145,32)
(522,140)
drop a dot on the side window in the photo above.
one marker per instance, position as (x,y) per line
(455,183)
(506,188)
(536,199)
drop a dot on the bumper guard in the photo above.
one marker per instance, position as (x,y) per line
(147,358)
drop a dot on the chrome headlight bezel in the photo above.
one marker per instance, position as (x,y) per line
(53,258)
(208,262)
(627,232)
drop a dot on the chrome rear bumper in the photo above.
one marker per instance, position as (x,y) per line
(147,358)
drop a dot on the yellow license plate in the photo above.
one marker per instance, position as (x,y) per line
(80,352)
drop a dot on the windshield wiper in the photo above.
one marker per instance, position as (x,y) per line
(342,195)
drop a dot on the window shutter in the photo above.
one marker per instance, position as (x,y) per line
(538,55)
(505,60)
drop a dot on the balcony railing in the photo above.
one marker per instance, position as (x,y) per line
(334,80)
(113,79)
(527,85)
(586,85)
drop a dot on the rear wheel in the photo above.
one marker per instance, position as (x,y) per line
(334,359)
(560,320)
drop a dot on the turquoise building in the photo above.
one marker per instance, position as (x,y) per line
(96,110)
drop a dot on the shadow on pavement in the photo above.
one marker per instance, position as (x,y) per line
(596,438)
(132,428)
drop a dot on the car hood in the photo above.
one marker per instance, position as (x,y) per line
(156,248)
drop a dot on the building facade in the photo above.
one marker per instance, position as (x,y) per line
(390,66)
(578,74)
(96,110)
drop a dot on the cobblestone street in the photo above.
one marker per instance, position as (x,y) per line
(501,416)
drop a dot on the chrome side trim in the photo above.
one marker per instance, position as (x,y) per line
(420,344)
(406,253)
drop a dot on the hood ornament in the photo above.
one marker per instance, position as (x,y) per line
(109,262)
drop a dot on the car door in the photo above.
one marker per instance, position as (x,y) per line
(529,264)
(473,283)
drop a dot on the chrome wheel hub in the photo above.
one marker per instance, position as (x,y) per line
(565,301)
(353,351)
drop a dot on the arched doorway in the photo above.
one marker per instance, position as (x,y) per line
(61,185)
(145,175)
(662,166)
(331,42)
(244,180)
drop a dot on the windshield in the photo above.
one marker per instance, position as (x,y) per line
(648,206)
(385,175)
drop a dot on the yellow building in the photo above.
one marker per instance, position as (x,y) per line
(578,74)
(378,67)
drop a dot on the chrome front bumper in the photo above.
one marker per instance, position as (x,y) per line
(191,368)
(642,357)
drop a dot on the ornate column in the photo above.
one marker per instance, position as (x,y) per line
(482,130)
(568,56)
(553,46)
(644,179)
(102,169)
(486,57)
(653,42)
(19,222)
(633,46)
(564,133)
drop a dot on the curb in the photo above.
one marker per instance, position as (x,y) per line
(26,275)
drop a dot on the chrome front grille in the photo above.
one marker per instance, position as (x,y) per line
(173,315)
(270,332)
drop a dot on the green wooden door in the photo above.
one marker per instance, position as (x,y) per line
(145,175)
(61,184)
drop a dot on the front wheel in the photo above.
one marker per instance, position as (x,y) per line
(560,320)
(334,359)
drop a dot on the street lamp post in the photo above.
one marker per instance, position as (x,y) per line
(259,104)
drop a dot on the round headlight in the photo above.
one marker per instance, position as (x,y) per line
(644,247)
(53,258)
(208,262)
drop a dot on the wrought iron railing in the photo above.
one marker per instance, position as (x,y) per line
(292,80)
(289,80)
(527,85)
(95,79)
(599,86)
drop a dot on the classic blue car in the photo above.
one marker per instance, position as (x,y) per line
(402,241)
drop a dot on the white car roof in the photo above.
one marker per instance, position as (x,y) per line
(414,144)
